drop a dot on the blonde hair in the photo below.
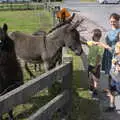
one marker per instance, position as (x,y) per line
(117,46)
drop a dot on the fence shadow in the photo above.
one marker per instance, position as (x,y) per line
(83,107)
(80,79)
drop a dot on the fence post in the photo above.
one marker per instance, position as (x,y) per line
(11,5)
(54,11)
(67,85)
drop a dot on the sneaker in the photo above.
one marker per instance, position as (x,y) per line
(91,88)
(95,96)
(110,109)
(90,92)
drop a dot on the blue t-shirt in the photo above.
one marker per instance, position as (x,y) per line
(107,56)
(111,38)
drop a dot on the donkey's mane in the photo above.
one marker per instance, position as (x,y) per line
(62,23)
(58,26)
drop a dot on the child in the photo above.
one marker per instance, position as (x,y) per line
(94,60)
(115,77)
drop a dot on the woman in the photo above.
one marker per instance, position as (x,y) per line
(111,41)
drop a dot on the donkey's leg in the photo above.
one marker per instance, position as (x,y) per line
(11,115)
(1,117)
(37,67)
(28,70)
(46,66)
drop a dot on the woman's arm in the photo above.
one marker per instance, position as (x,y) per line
(103,45)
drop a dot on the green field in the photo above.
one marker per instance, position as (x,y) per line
(84,108)
(26,21)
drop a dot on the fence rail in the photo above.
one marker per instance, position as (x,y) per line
(50,108)
(27,5)
(21,94)
(21,6)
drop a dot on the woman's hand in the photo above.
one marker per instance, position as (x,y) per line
(91,43)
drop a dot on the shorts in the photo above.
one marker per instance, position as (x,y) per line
(95,73)
(115,86)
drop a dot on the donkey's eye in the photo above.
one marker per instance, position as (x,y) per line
(0,41)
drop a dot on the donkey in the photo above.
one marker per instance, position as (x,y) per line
(41,33)
(11,75)
(38,49)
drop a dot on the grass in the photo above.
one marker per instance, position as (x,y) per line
(26,21)
(84,108)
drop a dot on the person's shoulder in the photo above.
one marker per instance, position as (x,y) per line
(112,31)
(118,29)
(108,33)
(117,57)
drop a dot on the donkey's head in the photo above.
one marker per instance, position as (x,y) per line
(72,38)
(3,35)
(6,44)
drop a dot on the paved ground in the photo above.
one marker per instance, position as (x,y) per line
(94,11)
(96,15)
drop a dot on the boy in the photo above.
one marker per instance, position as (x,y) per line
(115,78)
(94,60)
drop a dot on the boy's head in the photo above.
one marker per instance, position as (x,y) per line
(96,35)
(117,48)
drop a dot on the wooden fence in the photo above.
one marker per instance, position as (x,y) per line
(27,5)
(21,94)
(21,6)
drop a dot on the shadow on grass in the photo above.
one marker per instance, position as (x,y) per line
(36,102)
(80,79)
(39,100)
(84,108)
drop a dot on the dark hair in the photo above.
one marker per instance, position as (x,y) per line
(115,16)
(97,34)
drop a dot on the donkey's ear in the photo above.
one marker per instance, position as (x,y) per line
(75,25)
(71,18)
(5,27)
